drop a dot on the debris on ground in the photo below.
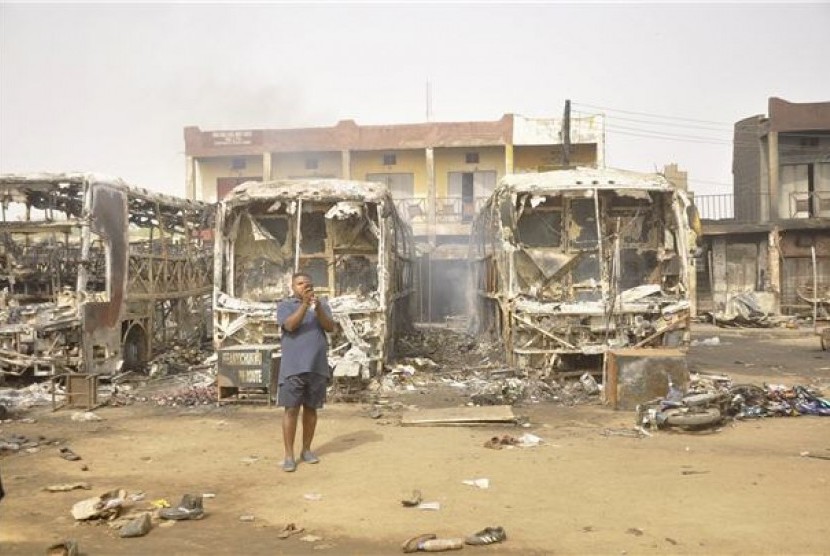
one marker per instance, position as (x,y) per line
(412,500)
(712,399)
(63,548)
(66,487)
(137,527)
(190,507)
(106,506)
(744,311)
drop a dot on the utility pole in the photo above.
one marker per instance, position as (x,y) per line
(566,135)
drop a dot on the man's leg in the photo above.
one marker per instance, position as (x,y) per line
(289,431)
(309,426)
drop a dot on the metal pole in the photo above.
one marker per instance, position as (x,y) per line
(815,288)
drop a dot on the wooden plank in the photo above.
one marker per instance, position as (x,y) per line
(460,415)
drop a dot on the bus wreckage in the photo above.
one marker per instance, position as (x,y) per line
(570,264)
(345,234)
(96,275)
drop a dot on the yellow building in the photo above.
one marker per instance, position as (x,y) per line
(439,173)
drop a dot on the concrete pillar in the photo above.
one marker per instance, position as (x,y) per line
(720,286)
(774,202)
(266,167)
(508,159)
(432,202)
(346,164)
(190,179)
(774,266)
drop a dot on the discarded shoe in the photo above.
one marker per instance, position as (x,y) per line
(440,545)
(289,465)
(288,530)
(488,535)
(415,543)
(68,454)
(414,499)
(309,457)
(189,508)
(65,548)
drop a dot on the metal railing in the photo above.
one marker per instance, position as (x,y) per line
(756,208)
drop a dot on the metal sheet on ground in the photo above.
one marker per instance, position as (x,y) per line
(460,416)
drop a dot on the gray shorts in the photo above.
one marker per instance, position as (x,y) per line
(308,389)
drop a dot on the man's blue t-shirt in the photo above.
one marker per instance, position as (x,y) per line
(305,349)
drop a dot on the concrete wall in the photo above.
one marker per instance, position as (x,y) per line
(212,168)
(546,157)
(407,161)
(490,159)
(293,165)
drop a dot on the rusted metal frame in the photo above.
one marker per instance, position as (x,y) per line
(543,331)
(679,323)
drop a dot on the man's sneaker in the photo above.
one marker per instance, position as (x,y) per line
(309,457)
(289,465)
(189,508)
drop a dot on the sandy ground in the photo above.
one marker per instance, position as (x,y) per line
(742,489)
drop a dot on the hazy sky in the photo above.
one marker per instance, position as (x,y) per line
(110,87)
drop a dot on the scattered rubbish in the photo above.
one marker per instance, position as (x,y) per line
(413,500)
(311,538)
(250,459)
(636,531)
(190,507)
(246,518)
(743,310)
(478,483)
(66,487)
(589,383)
(137,527)
(488,535)
(104,506)
(528,440)
(63,548)
(86,416)
(693,472)
(288,530)
(313,496)
(208,495)
(806,454)
(160,503)
(429,506)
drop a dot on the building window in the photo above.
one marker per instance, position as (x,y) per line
(311,163)
(238,164)
(809,141)
(390,159)
(471,158)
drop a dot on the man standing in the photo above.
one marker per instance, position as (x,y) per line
(304,369)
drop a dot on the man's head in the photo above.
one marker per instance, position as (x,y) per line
(300,282)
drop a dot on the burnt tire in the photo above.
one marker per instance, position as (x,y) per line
(699,418)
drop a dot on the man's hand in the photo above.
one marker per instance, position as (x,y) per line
(308,295)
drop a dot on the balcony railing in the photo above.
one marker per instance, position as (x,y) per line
(756,208)
(448,210)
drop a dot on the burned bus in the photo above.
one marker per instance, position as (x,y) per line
(96,275)
(346,235)
(569,264)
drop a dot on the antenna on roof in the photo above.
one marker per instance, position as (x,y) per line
(566,135)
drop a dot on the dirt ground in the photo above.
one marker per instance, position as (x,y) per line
(743,489)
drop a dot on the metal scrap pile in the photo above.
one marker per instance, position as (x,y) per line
(474,370)
(188,396)
(744,311)
(749,401)
(178,358)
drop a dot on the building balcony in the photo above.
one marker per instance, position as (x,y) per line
(756,209)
